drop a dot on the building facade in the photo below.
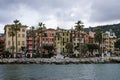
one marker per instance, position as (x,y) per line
(30,42)
(49,37)
(21,38)
(109,40)
(2,43)
(62,37)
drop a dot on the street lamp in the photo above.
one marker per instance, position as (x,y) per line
(102,49)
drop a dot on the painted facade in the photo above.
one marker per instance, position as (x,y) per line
(63,39)
(21,38)
(109,39)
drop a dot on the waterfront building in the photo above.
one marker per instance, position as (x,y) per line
(34,40)
(89,37)
(62,37)
(21,37)
(78,37)
(2,43)
(109,39)
(31,42)
(49,37)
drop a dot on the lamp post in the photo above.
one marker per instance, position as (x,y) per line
(102,49)
(71,37)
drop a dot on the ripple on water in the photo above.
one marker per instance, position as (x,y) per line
(60,72)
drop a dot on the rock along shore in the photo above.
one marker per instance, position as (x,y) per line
(95,60)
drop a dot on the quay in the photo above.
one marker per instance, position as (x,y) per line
(94,60)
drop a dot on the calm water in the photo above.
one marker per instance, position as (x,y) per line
(60,72)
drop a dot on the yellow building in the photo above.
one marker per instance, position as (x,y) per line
(21,38)
(63,39)
(109,39)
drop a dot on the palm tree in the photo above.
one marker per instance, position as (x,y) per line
(40,31)
(79,27)
(17,24)
(69,47)
(98,36)
(12,34)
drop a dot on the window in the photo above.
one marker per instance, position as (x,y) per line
(9,29)
(18,42)
(23,30)
(23,35)
(46,39)
(63,34)
(77,44)
(18,35)
(52,34)
(23,43)
(8,42)
(67,34)
(67,39)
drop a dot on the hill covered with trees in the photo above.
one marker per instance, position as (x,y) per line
(114,27)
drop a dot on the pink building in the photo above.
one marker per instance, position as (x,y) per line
(89,37)
(49,37)
(31,43)
(34,41)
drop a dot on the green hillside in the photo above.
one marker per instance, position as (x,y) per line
(115,28)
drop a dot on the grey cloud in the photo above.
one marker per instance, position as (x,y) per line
(103,11)
(99,11)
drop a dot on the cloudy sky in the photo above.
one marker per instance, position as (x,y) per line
(62,13)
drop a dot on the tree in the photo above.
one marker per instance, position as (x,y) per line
(23,48)
(12,34)
(117,44)
(69,47)
(17,25)
(98,36)
(79,27)
(2,46)
(49,48)
(92,47)
(40,31)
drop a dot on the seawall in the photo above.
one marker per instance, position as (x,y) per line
(95,60)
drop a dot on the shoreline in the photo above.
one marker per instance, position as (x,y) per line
(94,60)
